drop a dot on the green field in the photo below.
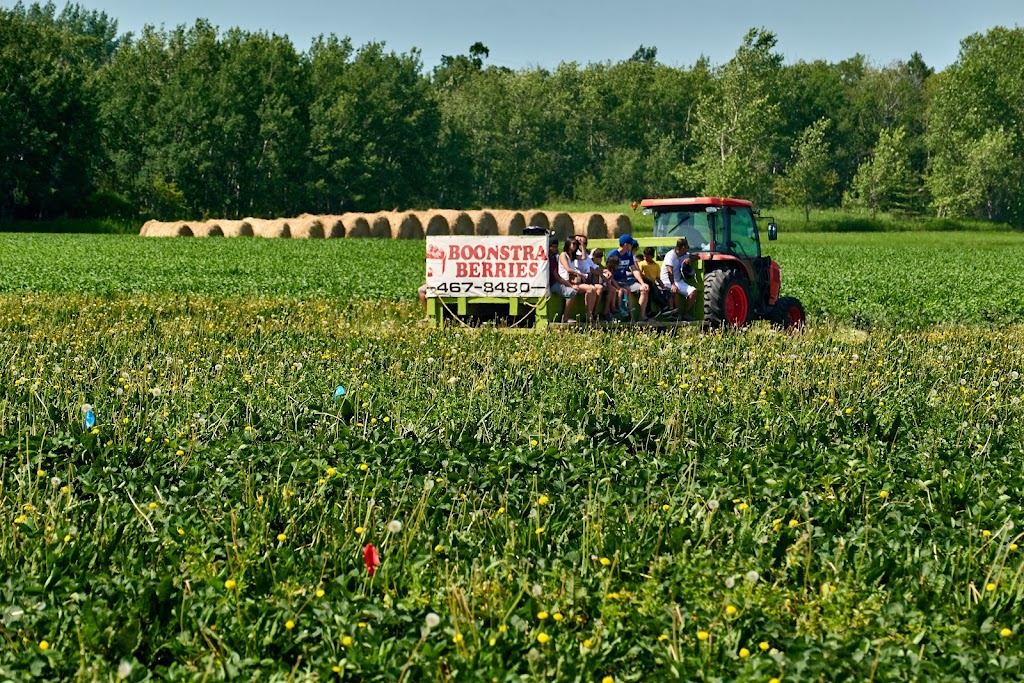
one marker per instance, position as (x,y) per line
(837,505)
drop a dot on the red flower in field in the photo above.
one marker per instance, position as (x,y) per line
(371,557)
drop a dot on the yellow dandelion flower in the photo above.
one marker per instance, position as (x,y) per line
(542,615)
(1013,546)
(282,537)
(363,467)
(763,646)
(605,562)
(730,610)
(986,533)
(703,635)
(744,653)
(607,679)
(794,523)
(588,642)
(457,638)
(543,638)
(557,616)
(230,584)
(662,638)
(43,645)
(289,624)
(152,506)
(360,529)
(346,641)
(990,587)
(1006,633)
(543,500)
(319,592)
(540,530)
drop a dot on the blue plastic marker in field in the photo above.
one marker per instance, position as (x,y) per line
(90,419)
(339,392)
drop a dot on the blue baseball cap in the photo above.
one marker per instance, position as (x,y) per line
(625,239)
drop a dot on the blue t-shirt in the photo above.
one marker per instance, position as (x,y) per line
(624,273)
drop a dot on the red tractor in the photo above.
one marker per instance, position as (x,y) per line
(735,283)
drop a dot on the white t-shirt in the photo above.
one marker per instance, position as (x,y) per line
(673,264)
(585,265)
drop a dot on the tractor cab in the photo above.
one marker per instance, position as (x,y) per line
(709,224)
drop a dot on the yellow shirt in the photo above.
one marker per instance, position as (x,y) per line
(651,271)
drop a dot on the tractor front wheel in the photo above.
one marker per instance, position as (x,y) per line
(726,299)
(788,314)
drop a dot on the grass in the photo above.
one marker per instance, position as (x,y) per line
(836,505)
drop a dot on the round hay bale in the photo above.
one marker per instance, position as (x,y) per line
(146,226)
(207,229)
(434,223)
(590,224)
(334,226)
(509,222)
(536,219)
(236,228)
(405,225)
(276,228)
(380,225)
(619,224)
(307,228)
(459,222)
(483,222)
(357,224)
(561,223)
(177,229)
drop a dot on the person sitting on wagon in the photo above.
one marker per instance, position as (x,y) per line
(612,294)
(676,262)
(628,275)
(567,272)
(592,275)
(650,267)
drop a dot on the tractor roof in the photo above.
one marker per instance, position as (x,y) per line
(697,201)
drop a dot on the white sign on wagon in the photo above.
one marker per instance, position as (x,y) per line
(504,267)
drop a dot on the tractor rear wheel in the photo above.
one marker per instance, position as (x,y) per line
(726,299)
(788,313)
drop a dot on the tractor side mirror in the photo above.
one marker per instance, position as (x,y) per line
(773,232)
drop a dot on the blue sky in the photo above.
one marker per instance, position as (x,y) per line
(526,33)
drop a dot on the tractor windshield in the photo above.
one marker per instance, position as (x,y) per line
(692,223)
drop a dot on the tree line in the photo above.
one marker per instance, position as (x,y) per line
(195,122)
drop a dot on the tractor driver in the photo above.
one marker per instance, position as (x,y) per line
(676,262)
(628,275)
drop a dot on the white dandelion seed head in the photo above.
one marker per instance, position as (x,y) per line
(124,670)
(218,367)
(713,505)
(155,391)
(432,620)
(86,407)
(394,526)
(730,582)
(119,391)
(428,483)
(537,591)
(1014,374)
(753,576)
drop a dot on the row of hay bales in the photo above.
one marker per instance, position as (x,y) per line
(400,225)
